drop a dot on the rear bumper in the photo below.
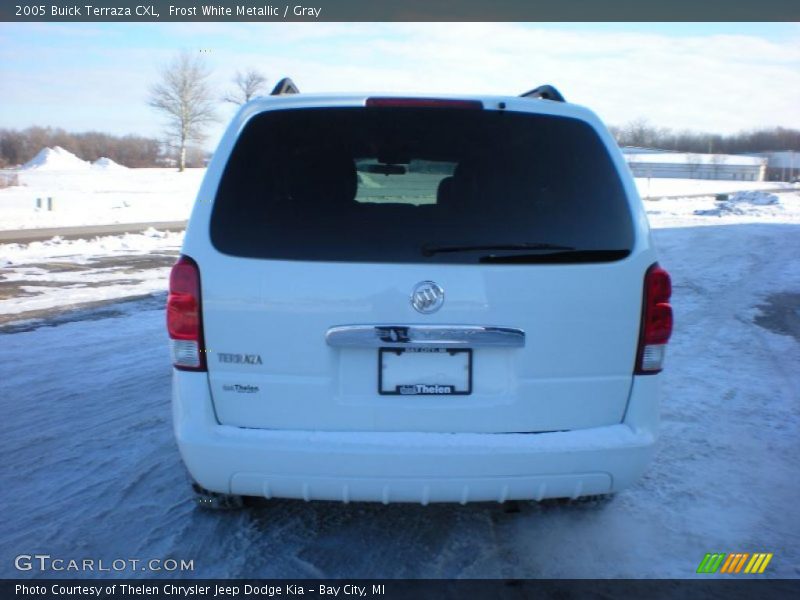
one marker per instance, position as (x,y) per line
(411,467)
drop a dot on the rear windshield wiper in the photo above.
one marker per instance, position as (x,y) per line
(429,250)
(566,256)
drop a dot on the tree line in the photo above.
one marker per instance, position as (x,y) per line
(642,134)
(19,146)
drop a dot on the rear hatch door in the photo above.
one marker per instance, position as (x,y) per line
(420,269)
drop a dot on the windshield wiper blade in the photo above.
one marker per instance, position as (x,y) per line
(429,250)
(566,256)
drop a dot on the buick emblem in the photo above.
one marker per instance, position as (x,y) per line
(427,297)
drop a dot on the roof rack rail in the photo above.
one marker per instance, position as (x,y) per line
(283,87)
(545,92)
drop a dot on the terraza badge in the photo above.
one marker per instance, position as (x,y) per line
(245,359)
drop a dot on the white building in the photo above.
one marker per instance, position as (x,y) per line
(782,166)
(685,165)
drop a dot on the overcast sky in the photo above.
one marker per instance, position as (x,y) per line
(710,77)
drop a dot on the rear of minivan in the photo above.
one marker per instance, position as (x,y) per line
(406,299)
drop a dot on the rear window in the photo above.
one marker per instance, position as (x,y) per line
(419,185)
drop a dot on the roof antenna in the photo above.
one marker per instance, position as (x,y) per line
(283,87)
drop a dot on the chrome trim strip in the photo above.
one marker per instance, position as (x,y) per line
(410,336)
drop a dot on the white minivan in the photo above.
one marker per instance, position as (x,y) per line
(416,299)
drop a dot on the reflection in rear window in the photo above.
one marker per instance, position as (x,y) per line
(391,184)
(415,183)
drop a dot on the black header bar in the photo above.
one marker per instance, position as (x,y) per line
(398,10)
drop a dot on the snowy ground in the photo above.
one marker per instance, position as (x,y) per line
(38,277)
(91,469)
(98,196)
(657,188)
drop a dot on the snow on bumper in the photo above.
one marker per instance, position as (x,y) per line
(410,467)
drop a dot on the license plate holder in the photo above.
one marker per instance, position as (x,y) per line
(425,371)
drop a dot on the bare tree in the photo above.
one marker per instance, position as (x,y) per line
(185,97)
(248,85)
(641,133)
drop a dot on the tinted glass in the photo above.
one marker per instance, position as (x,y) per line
(419,185)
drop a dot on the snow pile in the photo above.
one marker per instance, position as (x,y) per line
(754,197)
(55,159)
(106,164)
(740,203)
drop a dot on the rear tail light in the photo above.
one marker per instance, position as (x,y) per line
(423,103)
(184,319)
(656,325)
